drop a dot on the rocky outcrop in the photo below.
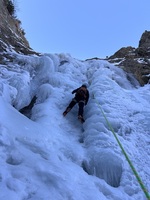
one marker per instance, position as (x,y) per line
(145,40)
(135,60)
(124,52)
(12,36)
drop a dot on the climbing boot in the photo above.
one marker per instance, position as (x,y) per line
(66,111)
(81,119)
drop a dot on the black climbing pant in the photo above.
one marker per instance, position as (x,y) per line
(80,104)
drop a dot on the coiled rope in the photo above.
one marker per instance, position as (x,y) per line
(125,154)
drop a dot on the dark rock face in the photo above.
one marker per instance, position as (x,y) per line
(145,40)
(124,52)
(135,60)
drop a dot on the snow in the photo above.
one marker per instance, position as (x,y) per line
(48,156)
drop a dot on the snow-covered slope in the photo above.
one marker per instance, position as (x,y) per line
(51,157)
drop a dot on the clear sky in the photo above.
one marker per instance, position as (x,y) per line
(83,28)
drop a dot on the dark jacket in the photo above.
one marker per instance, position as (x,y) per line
(81,94)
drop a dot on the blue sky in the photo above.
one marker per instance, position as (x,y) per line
(82,28)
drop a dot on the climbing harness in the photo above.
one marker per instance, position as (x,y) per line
(125,154)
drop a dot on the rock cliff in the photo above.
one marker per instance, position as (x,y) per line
(11,34)
(135,60)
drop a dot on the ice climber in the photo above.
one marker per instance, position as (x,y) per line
(81,97)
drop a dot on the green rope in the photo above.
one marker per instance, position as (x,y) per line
(125,154)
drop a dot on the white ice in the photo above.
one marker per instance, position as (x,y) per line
(51,157)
